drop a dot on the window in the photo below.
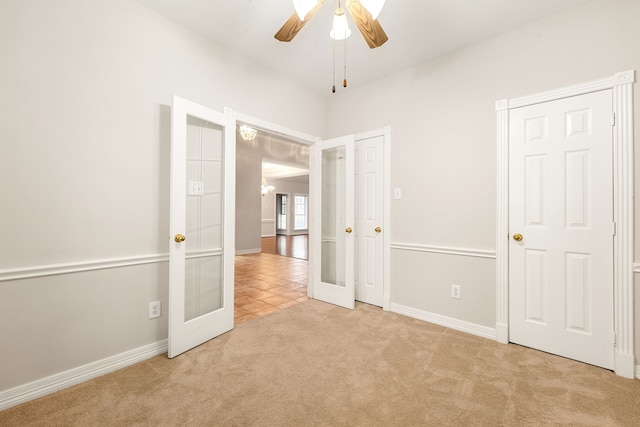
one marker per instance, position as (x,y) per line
(300,212)
(281,206)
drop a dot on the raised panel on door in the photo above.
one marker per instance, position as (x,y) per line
(370,219)
(560,192)
(536,283)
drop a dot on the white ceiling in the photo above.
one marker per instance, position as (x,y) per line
(272,169)
(418,30)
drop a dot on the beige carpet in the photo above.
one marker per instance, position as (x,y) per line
(317,364)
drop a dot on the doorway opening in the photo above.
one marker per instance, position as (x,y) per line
(272,191)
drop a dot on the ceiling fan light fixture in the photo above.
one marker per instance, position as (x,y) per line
(247,133)
(340,29)
(303,7)
(373,6)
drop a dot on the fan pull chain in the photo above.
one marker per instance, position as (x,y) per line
(333,88)
(344,82)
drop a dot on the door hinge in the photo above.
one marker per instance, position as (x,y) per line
(613,119)
(615,339)
(614,228)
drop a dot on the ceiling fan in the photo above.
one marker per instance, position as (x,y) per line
(364,17)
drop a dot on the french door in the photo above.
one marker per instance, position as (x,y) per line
(202,210)
(334,221)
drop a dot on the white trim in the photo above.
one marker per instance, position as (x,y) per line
(272,229)
(248,251)
(477,253)
(62,380)
(77,267)
(260,124)
(293,213)
(373,133)
(636,267)
(621,85)
(622,78)
(447,322)
(203,254)
(638,371)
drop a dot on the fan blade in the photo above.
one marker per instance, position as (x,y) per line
(371,29)
(294,24)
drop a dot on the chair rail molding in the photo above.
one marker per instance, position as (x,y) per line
(621,85)
(476,253)
(77,267)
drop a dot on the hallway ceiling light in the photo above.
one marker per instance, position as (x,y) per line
(247,133)
(264,188)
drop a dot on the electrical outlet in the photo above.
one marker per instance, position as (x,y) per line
(155,309)
(455,291)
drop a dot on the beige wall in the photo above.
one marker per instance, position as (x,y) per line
(443,152)
(84,157)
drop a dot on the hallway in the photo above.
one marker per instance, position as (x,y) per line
(267,282)
(290,246)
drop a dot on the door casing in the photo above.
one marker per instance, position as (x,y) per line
(622,88)
(307,139)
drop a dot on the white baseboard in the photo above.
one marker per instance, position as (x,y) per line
(448,322)
(638,372)
(62,380)
(625,365)
(248,251)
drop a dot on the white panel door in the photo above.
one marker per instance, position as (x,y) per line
(561,226)
(369,217)
(201,252)
(333,263)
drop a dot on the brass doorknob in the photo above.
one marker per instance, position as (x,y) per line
(179,238)
(517,237)
(348,229)
(378,229)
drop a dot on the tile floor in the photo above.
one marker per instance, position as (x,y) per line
(266,283)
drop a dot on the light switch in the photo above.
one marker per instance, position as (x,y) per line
(196,188)
(397,193)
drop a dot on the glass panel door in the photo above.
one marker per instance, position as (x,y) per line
(334,221)
(204,212)
(202,225)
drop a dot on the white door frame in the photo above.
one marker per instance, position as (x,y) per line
(622,90)
(307,139)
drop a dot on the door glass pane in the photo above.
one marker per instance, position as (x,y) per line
(204,206)
(333,212)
